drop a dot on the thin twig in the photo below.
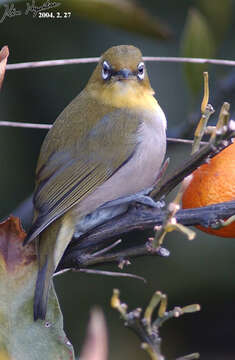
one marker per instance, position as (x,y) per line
(36,64)
(190,60)
(111,273)
(48,126)
(184,141)
(108,248)
(25,125)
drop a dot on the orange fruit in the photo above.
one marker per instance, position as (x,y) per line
(213,183)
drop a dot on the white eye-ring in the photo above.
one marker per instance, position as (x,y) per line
(106,70)
(140,68)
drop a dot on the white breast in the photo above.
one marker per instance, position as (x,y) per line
(151,149)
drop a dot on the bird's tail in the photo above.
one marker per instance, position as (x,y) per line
(51,245)
(41,292)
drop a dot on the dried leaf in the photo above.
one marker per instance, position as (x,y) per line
(4,53)
(21,337)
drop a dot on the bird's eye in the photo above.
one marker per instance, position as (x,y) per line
(140,74)
(106,70)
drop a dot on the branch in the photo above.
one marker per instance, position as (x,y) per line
(79,253)
(146,325)
(47,63)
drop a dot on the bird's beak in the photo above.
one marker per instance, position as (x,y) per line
(124,74)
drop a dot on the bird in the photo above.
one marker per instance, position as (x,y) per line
(104,151)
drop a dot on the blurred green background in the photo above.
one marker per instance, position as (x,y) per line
(201,271)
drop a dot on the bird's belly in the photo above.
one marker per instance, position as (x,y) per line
(142,169)
(137,174)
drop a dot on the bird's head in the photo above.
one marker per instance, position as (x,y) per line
(120,73)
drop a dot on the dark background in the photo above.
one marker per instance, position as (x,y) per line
(201,271)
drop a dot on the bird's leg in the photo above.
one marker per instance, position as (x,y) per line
(141,197)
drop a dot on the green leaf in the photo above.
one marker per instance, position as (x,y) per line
(124,14)
(197,41)
(20,336)
(218,14)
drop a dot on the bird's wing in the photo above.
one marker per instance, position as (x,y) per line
(68,177)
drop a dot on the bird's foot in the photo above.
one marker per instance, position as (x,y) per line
(140,198)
